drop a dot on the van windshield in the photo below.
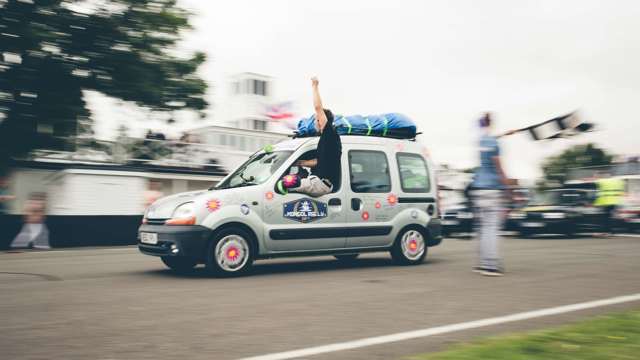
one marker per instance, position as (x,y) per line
(256,170)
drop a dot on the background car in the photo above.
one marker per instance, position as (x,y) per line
(559,211)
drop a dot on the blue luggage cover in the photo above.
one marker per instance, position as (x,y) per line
(387,125)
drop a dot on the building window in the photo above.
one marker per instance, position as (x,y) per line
(259,125)
(258,87)
(369,171)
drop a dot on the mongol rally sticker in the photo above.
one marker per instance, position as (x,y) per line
(304,210)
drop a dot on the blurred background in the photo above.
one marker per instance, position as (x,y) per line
(107,105)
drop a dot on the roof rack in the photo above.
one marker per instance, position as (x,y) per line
(391,134)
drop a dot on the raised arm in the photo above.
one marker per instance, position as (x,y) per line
(321,118)
(503,177)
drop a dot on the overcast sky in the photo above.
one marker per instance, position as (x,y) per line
(440,62)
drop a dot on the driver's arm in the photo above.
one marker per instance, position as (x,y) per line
(321,118)
(307,163)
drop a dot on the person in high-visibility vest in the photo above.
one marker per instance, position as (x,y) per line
(610,194)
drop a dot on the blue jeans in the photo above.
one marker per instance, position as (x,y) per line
(488,217)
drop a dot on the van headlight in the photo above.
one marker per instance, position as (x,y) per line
(517,215)
(554,215)
(183,211)
(183,215)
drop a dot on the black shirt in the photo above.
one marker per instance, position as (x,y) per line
(328,155)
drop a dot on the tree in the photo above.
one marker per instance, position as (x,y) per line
(52,50)
(555,168)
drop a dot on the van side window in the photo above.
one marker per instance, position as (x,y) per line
(369,171)
(308,155)
(414,176)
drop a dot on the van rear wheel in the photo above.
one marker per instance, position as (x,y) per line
(410,247)
(179,264)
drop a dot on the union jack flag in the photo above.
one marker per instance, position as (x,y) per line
(279,111)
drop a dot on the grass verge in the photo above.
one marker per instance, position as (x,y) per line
(610,337)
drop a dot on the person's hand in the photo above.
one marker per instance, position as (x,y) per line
(314,81)
(509,182)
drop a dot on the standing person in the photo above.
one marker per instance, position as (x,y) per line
(5,198)
(487,193)
(34,233)
(610,194)
(153,193)
(326,166)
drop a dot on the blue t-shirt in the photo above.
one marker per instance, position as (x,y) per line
(486,176)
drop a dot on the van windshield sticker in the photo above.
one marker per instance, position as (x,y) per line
(304,210)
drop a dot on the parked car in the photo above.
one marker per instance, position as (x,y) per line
(386,201)
(560,211)
(457,213)
(627,217)
(458,217)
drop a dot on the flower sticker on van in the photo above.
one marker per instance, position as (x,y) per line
(269,195)
(213,205)
(392,199)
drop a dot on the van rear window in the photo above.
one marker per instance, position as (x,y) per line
(369,171)
(414,175)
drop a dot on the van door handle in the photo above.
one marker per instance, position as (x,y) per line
(335,202)
(356,204)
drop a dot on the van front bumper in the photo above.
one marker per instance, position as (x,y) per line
(184,240)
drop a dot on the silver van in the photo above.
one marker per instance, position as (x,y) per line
(386,201)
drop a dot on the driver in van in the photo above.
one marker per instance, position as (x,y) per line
(326,166)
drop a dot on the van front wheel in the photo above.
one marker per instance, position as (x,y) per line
(230,253)
(410,247)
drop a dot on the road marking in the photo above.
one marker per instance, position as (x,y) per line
(627,235)
(384,339)
(58,251)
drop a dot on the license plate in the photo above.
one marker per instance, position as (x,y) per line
(533,224)
(449,222)
(149,238)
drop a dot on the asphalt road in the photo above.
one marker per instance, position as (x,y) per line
(116,303)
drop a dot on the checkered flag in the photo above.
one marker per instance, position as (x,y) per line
(559,127)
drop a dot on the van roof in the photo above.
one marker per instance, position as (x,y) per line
(407,145)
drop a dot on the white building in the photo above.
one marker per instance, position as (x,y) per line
(247,128)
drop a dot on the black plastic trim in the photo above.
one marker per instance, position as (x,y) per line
(416,200)
(303,234)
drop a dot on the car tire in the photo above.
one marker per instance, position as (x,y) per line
(410,246)
(570,231)
(346,257)
(230,253)
(179,264)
